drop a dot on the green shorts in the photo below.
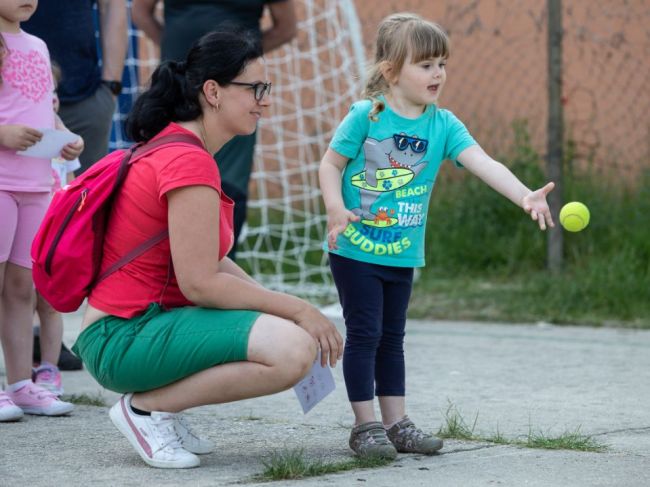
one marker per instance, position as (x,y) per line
(162,346)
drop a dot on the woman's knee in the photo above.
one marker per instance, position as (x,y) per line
(283,345)
(302,351)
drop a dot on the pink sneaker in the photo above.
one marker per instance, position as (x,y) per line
(8,410)
(48,377)
(33,399)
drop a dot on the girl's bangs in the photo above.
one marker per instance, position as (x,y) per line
(428,42)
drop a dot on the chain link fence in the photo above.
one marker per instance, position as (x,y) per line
(497,73)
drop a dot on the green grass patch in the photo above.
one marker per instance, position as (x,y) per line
(456,427)
(293,464)
(84,399)
(570,440)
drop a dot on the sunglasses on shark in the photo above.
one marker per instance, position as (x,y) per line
(403,141)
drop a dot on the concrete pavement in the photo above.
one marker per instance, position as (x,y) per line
(513,379)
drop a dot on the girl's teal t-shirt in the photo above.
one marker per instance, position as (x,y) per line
(389,178)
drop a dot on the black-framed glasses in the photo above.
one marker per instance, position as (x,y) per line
(260,89)
(403,141)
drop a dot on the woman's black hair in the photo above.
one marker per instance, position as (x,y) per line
(175,86)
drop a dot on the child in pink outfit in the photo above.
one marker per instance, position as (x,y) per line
(25,186)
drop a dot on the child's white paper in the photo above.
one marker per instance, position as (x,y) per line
(50,144)
(316,385)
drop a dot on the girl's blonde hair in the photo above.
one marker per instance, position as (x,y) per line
(402,37)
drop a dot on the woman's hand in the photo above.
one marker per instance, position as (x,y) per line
(534,203)
(72,150)
(323,331)
(337,221)
(19,137)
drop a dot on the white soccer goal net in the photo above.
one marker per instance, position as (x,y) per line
(315,79)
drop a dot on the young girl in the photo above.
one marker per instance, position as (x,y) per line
(377,177)
(25,185)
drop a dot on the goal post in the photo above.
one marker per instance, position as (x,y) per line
(315,80)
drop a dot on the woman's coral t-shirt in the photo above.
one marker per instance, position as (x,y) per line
(139,213)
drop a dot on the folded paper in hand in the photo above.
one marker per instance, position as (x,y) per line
(316,385)
(50,145)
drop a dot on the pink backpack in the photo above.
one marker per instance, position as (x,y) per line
(67,249)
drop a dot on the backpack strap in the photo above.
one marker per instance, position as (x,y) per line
(136,152)
(145,148)
(136,252)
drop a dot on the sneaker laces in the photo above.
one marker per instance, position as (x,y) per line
(166,433)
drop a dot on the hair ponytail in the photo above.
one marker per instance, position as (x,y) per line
(168,99)
(375,87)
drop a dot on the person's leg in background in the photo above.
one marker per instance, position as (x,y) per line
(91,118)
(235,161)
(239,214)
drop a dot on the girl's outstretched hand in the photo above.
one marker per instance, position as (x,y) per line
(327,337)
(72,150)
(534,203)
(19,137)
(336,223)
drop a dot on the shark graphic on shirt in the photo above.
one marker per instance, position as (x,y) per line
(391,163)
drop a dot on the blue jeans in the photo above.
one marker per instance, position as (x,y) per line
(374,300)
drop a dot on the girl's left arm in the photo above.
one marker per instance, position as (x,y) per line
(501,179)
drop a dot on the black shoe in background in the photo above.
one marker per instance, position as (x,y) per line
(36,355)
(67,359)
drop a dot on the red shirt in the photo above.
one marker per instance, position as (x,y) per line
(139,213)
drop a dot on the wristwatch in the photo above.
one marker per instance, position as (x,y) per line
(113,85)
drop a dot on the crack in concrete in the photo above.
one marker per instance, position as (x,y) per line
(625,430)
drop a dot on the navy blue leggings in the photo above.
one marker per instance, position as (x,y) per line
(374,299)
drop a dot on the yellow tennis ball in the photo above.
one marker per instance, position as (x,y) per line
(574,216)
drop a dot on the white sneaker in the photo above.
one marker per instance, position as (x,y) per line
(8,410)
(153,437)
(190,440)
